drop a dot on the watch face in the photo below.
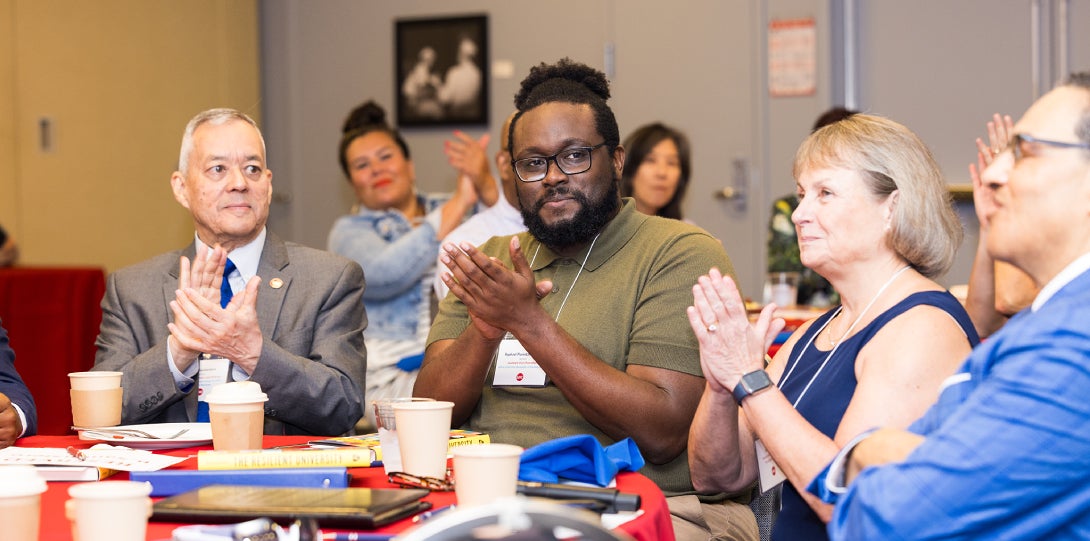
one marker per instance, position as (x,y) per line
(751,383)
(756,381)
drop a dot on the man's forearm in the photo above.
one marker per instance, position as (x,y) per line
(653,406)
(455,370)
(721,458)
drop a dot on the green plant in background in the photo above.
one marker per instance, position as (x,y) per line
(783,244)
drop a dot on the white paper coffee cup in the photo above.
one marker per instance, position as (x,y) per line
(485,473)
(21,491)
(109,510)
(423,432)
(237,412)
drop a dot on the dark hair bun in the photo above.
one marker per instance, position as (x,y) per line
(566,80)
(369,114)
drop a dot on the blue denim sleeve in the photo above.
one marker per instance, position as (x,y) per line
(390,267)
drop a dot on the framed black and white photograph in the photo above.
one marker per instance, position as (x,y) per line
(441,71)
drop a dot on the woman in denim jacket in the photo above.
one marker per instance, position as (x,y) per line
(394,234)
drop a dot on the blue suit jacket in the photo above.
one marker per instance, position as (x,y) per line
(12,385)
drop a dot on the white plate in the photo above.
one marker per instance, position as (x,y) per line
(197,434)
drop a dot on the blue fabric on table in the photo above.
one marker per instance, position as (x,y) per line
(579,458)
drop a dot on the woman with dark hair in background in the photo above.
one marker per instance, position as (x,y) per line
(656,172)
(394,234)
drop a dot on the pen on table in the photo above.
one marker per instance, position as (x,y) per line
(357,536)
(428,514)
(77,453)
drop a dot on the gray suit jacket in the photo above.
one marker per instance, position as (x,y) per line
(313,360)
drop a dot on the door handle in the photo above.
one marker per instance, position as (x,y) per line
(740,180)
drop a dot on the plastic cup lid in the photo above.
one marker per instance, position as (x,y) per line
(237,392)
(20,480)
(110,490)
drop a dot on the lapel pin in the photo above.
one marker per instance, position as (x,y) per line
(276,283)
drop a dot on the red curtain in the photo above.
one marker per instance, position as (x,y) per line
(52,317)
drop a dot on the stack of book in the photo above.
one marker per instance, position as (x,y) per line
(349,451)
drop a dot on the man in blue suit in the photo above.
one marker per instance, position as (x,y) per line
(18,417)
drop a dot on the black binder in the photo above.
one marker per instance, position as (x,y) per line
(356,508)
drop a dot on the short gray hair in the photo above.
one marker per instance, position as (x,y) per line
(925,230)
(216,117)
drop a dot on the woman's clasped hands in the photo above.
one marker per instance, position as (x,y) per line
(730,345)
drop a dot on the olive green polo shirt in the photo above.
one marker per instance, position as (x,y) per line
(626,307)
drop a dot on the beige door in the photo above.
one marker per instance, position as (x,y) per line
(93,100)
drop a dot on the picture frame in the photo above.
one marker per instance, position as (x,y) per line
(441,71)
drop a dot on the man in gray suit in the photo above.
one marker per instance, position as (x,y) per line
(294,322)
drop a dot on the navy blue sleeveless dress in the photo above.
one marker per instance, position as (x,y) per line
(829,395)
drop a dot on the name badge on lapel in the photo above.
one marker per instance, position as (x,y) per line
(515,367)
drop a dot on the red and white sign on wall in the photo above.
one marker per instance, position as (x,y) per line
(792,57)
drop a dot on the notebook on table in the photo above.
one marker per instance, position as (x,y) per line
(357,508)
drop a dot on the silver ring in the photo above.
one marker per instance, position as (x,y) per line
(997,151)
(713,327)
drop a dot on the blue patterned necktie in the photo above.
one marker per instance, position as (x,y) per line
(225,297)
(225,287)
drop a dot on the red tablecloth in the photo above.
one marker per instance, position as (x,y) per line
(52,317)
(653,525)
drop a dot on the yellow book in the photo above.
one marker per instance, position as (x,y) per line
(354,457)
(458,438)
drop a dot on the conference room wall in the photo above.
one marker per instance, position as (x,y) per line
(939,67)
(117,81)
(109,205)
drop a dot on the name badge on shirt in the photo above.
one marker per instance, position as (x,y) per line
(515,366)
(771,474)
(213,371)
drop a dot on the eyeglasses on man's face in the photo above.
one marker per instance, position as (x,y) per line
(570,161)
(1021,142)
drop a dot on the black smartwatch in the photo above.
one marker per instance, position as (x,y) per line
(752,383)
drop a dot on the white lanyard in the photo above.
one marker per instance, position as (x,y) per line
(568,294)
(514,365)
(798,359)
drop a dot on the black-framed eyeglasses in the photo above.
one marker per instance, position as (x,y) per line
(419,481)
(570,161)
(1020,139)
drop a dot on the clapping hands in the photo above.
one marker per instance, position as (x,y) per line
(730,345)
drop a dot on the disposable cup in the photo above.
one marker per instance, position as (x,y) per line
(21,491)
(387,432)
(91,381)
(237,413)
(96,407)
(783,288)
(109,510)
(423,430)
(485,473)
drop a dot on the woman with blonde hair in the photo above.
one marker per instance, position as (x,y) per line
(875,219)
